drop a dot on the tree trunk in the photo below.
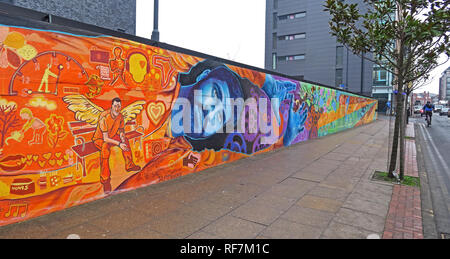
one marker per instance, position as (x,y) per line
(3,133)
(407,111)
(402,143)
(395,137)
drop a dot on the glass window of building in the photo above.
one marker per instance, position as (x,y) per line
(292,16)
(274,40)
(380,76)
(293,36)
(300,36)
(339,56)
(274,61)
(300,15)
(275,18)
(338,77)
(292,57)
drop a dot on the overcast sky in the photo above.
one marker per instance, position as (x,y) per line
(231,29)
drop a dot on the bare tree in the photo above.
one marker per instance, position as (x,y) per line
(8,121)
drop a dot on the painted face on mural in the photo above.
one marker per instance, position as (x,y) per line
(209,101)
(116,107)
(208,98)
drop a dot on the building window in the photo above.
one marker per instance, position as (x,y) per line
(287,17)
(380,77)
(292,57)
(274,40)
(275,18)
(275,4)
(293,36)
(339,56)
(299,57)
(299,15)
(274,61)
(338,77)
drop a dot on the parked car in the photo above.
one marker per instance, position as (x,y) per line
(417,109)
(422,112)
(444,111)
(438,108)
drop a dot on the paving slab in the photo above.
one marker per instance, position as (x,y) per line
(230,227)
(285,229)
(338,230)
(369,222)
(320,203)
(308,216)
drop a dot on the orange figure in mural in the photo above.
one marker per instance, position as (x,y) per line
(47,74)
(110,132)
(32,122)
(117,66)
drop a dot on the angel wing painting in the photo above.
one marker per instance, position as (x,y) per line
(109,131)
(89,112)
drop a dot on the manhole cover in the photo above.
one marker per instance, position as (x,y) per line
(445,235)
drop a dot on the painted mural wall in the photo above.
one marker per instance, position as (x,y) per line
(85,117)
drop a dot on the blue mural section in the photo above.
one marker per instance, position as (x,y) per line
(212,97)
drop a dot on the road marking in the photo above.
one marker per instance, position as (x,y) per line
(373,236)
(73,236)
(440,158)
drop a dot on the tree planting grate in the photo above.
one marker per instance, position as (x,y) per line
(445,235)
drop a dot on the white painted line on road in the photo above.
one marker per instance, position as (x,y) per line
(428,137)
(73,236)
(373,236)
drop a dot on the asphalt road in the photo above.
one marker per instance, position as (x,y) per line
(435,145)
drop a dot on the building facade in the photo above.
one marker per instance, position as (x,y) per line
(382,88)
(444,85)
(111,14)
(298,43)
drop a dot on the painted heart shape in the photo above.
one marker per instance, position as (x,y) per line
(59,162)
(41,163)
(155,111)
(58,154)
(35,158)
(23,160)
(29,162)
(47,155)
(52,162)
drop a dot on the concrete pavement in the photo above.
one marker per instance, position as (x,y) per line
(316,189)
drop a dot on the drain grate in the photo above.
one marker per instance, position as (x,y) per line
(445,235)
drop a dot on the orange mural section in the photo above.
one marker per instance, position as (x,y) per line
(83,117)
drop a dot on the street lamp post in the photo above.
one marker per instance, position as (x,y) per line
(155,33)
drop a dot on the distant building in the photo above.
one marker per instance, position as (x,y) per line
(115,15)
(444,85)
(299,44)
(422,98)
(382,86)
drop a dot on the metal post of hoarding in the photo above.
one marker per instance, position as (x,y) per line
(155,33)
